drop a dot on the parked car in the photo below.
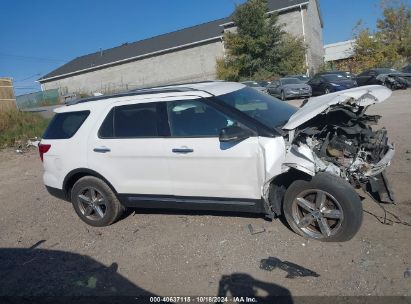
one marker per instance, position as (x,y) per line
(406,69)
(346,74)
(220,146)
(303,78)
(391,78)
(264,83)
(285,88)
(328,83)
(255,85)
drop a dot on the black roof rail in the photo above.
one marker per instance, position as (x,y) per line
(134,93)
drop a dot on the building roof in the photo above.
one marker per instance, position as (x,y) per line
(338,51)
(186,37)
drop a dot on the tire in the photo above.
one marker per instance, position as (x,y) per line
(327,91)
(340,211)
(283,96)
(95,203)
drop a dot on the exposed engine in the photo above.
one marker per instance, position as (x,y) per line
(346,145)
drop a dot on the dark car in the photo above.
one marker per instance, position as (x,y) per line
(289,88)
(406,69)
(302,77)
(391,78)
(327,83)
(346,74)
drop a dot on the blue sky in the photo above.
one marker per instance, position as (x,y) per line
(38,36)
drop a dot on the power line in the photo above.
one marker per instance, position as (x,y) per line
(21,80)
(20,57)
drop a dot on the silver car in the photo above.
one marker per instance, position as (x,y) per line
(285,88)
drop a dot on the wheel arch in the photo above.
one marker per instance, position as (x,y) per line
(73,176)
(279,185)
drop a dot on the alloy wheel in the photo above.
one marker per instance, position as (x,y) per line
(317,213)
(92,203)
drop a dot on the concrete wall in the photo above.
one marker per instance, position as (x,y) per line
(293,24)
(192,64)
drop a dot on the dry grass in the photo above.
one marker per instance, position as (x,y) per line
(17,126)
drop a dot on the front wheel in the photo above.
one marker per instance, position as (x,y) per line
(327,91)
(283,98)
(325,208)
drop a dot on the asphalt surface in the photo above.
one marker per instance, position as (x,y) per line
(45,249)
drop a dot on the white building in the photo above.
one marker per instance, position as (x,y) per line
(186,55)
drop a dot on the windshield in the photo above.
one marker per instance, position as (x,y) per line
(290,81)
(334,77)
(264,108)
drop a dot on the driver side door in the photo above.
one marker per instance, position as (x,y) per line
(200,165)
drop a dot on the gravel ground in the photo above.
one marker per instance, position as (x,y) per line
(46,249)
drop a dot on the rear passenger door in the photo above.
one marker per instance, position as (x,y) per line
(127,149)
(202,166)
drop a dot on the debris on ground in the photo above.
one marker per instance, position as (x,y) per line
(33,142)
(255,231)
(293,270)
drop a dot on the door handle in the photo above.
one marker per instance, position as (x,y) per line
(182,150)
(101,150)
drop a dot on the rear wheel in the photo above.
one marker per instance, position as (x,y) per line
(327,91)
(325,208)
(94,202)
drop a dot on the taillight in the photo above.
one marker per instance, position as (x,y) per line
(43,149)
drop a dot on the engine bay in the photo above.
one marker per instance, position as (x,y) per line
(345,143)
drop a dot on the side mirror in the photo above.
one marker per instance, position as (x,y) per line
(234,133)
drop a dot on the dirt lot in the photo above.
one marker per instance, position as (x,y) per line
(46,249)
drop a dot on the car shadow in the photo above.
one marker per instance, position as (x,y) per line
(41,272)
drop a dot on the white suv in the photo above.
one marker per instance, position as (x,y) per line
(220,146)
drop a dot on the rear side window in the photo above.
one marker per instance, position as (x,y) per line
(130,121)
(65,125)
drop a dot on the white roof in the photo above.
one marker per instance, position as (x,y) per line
(202,89)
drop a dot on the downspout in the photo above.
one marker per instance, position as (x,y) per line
(306,55)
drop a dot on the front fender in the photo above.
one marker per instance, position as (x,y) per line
(300,158)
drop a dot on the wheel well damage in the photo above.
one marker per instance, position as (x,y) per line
(279,185)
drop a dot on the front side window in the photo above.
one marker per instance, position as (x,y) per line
(194,118)
(130,121)
(264,108)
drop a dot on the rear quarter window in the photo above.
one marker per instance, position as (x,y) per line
(65,125)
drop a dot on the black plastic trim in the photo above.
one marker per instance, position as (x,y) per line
(192,203)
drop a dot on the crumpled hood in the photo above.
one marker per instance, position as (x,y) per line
(362,96)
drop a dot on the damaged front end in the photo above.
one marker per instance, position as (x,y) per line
(395,81)
(341,140)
